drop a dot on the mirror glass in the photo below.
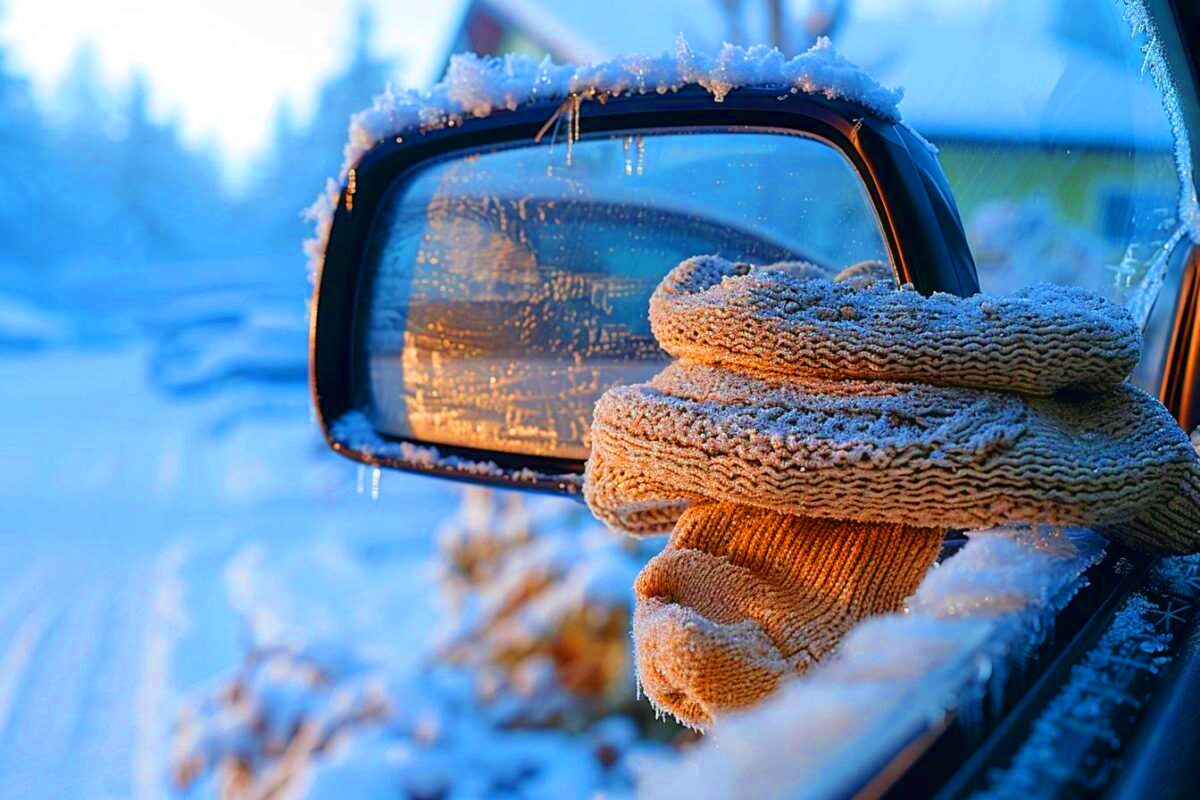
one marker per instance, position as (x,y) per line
(505,290)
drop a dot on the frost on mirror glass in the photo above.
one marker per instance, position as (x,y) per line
(506,290)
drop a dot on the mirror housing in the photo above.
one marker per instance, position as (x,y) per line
(905,185)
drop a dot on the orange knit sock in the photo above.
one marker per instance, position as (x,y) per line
(742,597)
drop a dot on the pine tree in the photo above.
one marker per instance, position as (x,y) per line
(170,195)
(87,125)
(130,192)
(22,169)
(303,157)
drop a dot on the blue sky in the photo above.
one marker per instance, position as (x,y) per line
(221,66)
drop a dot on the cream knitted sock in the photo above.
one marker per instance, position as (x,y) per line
(1038,340)
(893,453)
(743,597)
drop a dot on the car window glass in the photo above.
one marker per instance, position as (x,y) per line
(1050,130)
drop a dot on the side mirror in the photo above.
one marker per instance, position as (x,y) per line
(484,284)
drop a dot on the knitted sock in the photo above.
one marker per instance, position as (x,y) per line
(742,597)
(903,453)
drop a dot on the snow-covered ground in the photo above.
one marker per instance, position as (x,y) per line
(127,517)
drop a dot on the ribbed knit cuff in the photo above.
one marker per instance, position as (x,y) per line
(859,564)
(742,596)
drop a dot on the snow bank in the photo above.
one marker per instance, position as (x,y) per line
(288,726)
(439,747)
(24,325)
(893,674)
(478,86)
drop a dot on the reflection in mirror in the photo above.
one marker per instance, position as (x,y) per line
(506,290)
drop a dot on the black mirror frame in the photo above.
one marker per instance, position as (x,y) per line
(903,179)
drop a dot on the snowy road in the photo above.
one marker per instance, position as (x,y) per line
(122,513)
(80,681)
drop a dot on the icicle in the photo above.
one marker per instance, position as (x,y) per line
(627,143)
(641,154)
(552,125)
(362,473)
(376,476)
(573,105)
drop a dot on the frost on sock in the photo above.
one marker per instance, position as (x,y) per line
(892,452)
(763,408)
(1038,340)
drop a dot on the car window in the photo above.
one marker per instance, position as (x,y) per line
(1049,127)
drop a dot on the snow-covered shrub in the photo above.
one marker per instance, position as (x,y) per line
(525,689)
(278,711)
(541,602)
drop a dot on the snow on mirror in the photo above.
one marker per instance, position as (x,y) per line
(507,289)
